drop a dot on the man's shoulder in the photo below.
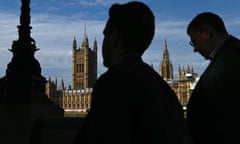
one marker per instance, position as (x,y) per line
(234,41)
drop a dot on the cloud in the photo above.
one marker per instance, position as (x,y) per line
(54,36)
(173,31)
(96,2)
(8,34)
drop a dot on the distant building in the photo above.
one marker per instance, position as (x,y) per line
(84,74)
(166,68)
(77,97)
(84,64)
(186,81)
(53,92)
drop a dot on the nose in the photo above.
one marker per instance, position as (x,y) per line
(195,49)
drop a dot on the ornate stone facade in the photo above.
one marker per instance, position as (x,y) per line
(84,74)
(84,64)
(186,81)
(166,68)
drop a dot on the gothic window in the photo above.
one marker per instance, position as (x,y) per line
(80,68)
(82,84)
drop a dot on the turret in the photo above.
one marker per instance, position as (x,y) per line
(74,46)
(62,85)
(56,83)
(95,45)
(165,51)
(166,68)
(85,39)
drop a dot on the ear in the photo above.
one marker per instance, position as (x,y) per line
(208,31)
(115,37)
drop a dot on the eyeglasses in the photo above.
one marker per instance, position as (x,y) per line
(193,42)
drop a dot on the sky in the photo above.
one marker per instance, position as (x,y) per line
(55,23)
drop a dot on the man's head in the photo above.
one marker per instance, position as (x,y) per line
(205,31)
(207,19)
(130,26)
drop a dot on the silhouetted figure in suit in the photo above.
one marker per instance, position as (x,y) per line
(131,103)
(212,109)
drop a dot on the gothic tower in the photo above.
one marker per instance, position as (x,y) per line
(84,64)
(186,80)
(166,68)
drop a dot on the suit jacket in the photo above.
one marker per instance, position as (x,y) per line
(212,109)
(132,104)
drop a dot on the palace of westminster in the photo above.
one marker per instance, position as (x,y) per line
(77,98)
(33,111)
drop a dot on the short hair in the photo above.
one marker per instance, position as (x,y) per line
(136,23)
(207,19)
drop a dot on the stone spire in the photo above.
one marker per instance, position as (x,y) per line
(74,43)
(166,68)
(62,87)
(165,51)
(95,45)
(85,43)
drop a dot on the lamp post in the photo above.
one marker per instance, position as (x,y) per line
(22,90)
(23,75)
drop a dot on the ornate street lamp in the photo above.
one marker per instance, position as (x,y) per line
(23,83)
(23,101)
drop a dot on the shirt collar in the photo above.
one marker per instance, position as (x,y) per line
(124,56)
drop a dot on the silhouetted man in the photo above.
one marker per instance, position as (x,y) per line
(213,107)
(131,103)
